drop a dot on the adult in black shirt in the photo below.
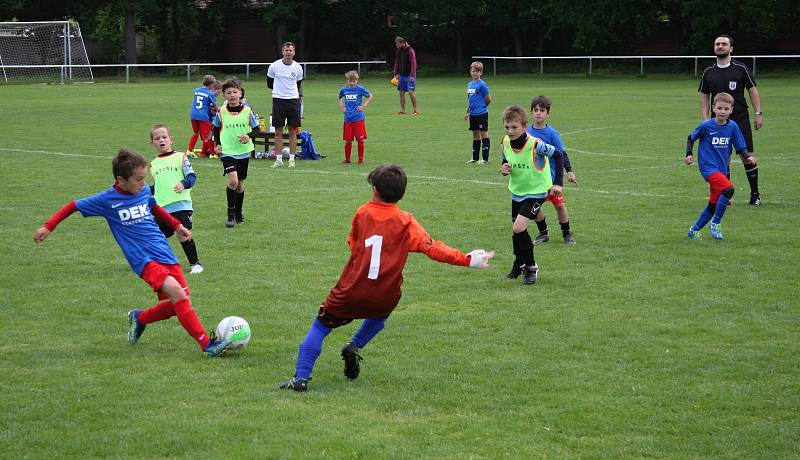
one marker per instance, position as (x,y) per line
(733,77)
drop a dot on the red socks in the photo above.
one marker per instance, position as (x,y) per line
(186,316)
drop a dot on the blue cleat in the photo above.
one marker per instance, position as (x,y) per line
(136,329)
(716,232)
(694,234)
(216,348)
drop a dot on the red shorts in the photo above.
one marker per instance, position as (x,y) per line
(203,128)
(155,273)
(356,130)
(556,199)
(717,183)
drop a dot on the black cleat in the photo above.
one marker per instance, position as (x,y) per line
(230,221)
(569,239)
(516,270)
(755,199)
(239,219)
(529,274)
(299,385)
(542,237)
(351,360)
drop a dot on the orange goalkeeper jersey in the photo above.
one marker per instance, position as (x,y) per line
(381,236)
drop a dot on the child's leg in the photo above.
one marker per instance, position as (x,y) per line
(368,330)
(310,349)
(158,312)
(348,150)
(705,216)
(231,193)
(476,145)
(522,240)
(360,150)
(485,145)
(205,135)
(183,310)
(722,205)
(195,135)
(563,219)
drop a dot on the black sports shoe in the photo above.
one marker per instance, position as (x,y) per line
(569,239)
(529,274)
(230,221)
(755,199)
(239,219)
(299,385)
(516,270)
(542,237)
(351,360)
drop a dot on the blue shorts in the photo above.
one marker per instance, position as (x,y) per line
(406,84)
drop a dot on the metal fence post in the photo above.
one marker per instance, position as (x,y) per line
(247,72)
(590,66)
(641,66)
(127,73)
(541,66)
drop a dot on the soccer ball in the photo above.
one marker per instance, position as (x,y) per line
(285,151)
(235,329)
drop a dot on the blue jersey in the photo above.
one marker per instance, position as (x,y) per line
(202,101)
(550,136)
(714,151)
(352,99)
(476,97)
(132,225)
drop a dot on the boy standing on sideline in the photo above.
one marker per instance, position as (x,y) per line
(129,209)
(717,136)
(527,160)
(733,77)
(380,239)
(203,102)
(284,78)
(405,70)
(351,102)
(478,99)
(173,177)
(233,127)
(540,110)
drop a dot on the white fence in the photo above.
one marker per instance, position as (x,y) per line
(593,59)
(65,71)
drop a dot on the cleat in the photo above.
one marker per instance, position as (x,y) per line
(483,162)
(516,270)
(415,113)
(239,218)
(277,164)
(693,234)
(136,329)
(361,161)
(345,162)
(213,155)
(299,385)
(529,274)
(230,221)
(569,240)
(472,161)
(542,237)
(291,162)
(191,154)
(401,113)
(196,268)
(716,231)
(216,348)
(351,360)
(755,199)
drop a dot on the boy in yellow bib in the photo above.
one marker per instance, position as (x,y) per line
(527,160)
(233,126)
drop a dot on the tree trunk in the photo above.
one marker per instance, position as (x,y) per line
(280,35)
(130,34)
(459,51)
(518,50)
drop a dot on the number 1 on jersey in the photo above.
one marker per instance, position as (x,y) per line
(376,241)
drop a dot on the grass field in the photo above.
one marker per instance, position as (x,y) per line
(636,342)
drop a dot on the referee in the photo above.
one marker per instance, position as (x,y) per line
(733,77)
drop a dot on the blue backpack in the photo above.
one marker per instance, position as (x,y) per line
(307,150)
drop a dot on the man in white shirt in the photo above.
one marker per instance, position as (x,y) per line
(284,77)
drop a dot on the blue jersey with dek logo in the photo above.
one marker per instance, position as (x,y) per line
(714,151)
(352,99)
(476,97)
(202,101)
(132,225)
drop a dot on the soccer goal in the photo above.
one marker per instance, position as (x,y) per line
(43,52)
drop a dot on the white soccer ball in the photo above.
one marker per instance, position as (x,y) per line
(235,329)
(285,151)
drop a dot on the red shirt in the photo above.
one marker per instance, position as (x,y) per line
(380,239)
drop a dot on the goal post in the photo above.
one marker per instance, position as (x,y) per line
(43,52)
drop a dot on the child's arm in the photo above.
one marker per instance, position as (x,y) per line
(44,231)
(689,147)
(363,106)
(420,241)
(557,157)
(341,104)
(747,157)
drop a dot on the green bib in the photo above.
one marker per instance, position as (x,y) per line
(167,172)
(526,178)
(232,127)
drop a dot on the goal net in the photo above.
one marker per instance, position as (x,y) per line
(43,52)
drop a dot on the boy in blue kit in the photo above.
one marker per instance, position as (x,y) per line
(129,209)
(540,111)
(173,178)
(352,104)
(478,99)
(527,160)
(204,100)
(233,127)
(717,135)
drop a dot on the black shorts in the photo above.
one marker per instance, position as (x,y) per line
(325,317)
(743,120)
(285,111)
(479,122)
(184,216)
(528,207)
(230,164)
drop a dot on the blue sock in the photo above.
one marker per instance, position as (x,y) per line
(705,216)
(722,205)
(368,330)
(310,349)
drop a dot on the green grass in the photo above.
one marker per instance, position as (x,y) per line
(636,342)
